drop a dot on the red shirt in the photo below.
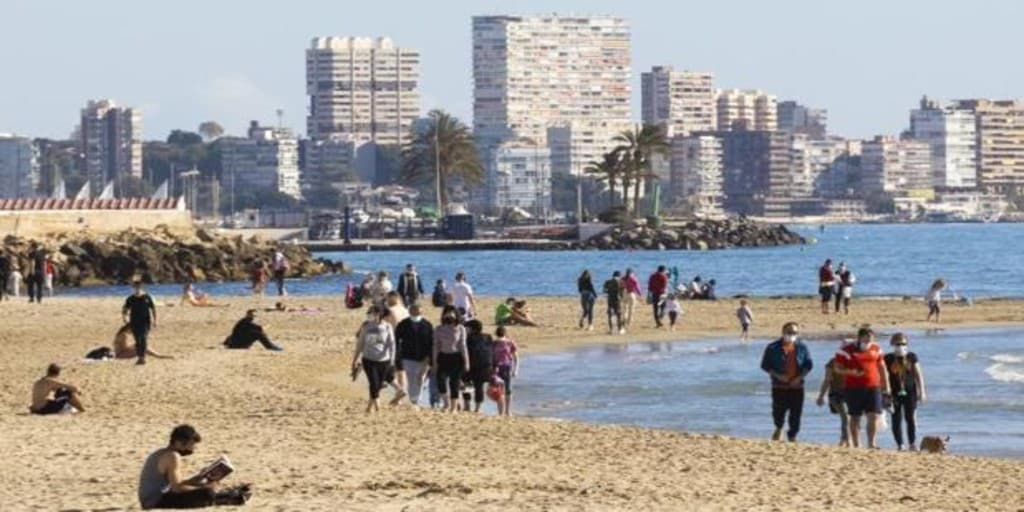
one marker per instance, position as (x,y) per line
(825,275)
(866,360)
(657,284)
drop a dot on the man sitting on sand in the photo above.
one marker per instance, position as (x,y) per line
(513,312)
(51,396)
(124,349)
(247,332)
(161,484)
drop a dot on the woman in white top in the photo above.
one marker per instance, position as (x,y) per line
(934,299)
(381,287)
(375,354)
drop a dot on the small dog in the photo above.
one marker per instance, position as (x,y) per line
(934,444)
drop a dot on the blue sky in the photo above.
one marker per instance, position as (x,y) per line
(183,62)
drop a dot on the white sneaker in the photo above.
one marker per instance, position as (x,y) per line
(622,331)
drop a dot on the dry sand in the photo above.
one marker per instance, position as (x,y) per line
(293,423)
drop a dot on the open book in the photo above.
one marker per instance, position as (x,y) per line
(216,471)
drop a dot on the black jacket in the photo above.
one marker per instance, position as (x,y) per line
(415,340)
(410,285)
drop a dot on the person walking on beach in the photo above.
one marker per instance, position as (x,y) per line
(588,296)
(161,484)
(414,337)
(258,277)
(787,361)
(280,268)
(826,284)
(506,366)
(410,286)
(746,317)
(5,272)
(673,310)
(48,275)
(832,385)
(450,358)
(36,273)
(481,360)
(934,299)
(657,284)
(51,396)
(375,354)
(630,296)
(906,381)
(139,311)
(844,288)
(247,332)
(439,298)
(865,381)
(462,296)
(614,292)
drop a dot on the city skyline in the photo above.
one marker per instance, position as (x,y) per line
(178,82)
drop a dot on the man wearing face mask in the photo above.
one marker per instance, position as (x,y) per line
(865,381)
(161,484)
(788,361)
(415,337)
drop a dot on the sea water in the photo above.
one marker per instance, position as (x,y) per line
(978,260)
(974,381)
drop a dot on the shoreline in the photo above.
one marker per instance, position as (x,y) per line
(293,423)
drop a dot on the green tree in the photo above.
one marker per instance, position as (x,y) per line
(210,130)
(184,138)
(444,152)
(636,147)
(608,170)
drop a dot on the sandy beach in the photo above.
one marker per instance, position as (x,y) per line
(293,422)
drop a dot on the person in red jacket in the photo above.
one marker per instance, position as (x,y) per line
(866,380)
(657,285)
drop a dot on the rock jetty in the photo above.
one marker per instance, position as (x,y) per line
(159,256)
(694,235)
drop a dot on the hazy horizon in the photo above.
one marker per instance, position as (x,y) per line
(233,61)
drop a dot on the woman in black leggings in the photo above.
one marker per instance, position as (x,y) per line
(585,286)
(907,384)
(450,358)
(481,360)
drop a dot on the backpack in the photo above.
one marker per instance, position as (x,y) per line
(353,299)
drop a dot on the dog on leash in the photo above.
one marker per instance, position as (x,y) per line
(934,444)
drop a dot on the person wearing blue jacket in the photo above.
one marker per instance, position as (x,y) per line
(788,361)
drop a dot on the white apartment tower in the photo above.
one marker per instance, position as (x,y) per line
(361,91)
(697,173)
(890,165)
(19,167)
(110,143)
(952,135)
(738,109)
(531,73)
(682,102)
(266,160)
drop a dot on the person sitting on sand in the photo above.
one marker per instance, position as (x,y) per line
(281,307)
(161,484)
(247,332)
(521,315)
(503,312)
(696,289)
(51,396)
(708,291)
(124,349)
(190,296)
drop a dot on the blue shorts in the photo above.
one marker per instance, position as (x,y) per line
(860,401)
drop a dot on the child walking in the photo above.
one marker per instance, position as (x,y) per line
(673,309)
(746,318)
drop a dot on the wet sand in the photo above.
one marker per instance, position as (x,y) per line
(293,424)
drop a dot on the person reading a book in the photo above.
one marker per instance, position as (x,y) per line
(161,484)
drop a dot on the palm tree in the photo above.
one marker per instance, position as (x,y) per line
(609,169)
(444,151)
(636,146)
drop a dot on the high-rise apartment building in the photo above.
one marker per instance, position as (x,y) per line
(19,167)
(521,177)
(952,135)
(756,168)
(681,102)
(793,117)
(890,165)
(110,143)
(364,91)
(752,110)
(266,160)
(1000,143)
(696,165)
(534,72)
